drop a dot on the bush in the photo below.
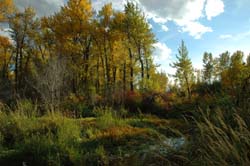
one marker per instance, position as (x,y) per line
(133,101)
(75,106)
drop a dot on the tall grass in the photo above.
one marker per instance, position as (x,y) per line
(108,118)
(220,137)
(47,140)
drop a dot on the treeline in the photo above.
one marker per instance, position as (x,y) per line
(225,75)
(78,52)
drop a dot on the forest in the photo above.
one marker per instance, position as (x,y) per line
(80,87)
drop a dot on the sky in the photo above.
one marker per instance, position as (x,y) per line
(205,25)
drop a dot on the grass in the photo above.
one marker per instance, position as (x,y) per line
(56,140)
(211,137)
(221,138)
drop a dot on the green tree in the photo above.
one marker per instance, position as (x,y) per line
(208,64)
(248,60)
(139,43)
(222,64)
(233,77)
(184,69)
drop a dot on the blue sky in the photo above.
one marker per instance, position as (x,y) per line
(230,30)
(205,25)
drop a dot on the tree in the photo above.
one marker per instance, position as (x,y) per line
(198,74)
(158,83)
(22,25)
(232,78)
(248,60)
(70,32)
(105,39)
(5,56)
(139,42)
(5,68)
(184,70)
(222,64)
(6,8)
(50,82)
(208,64)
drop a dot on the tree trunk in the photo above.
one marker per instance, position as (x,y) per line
(16,69)
(188,87)
(147,68)
(131,70)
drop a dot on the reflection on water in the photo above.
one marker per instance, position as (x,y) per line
(175,143)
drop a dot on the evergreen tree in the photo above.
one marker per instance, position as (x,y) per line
(208,64)
(184,70)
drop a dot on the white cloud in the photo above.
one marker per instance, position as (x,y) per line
(150,26)
(194,28)
(185,13)
(164,28)
(42,7)
(227,36)
(117,4)
(214,8)
(173,9)
(155,17)
(162,52)
(236,37)
(162,56)
(242,35)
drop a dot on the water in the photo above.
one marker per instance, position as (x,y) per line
(175,143)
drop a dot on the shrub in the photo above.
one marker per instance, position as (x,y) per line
(76,106)
(133,101)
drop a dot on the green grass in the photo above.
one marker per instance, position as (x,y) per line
(56,140)
(211,137)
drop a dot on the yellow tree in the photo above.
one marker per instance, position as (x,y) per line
(234,76)
(70,30)
(111,52)
(120,48)
(6,8)
(5,56)
(104,40)
(22,25)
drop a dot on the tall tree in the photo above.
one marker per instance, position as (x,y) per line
(71,34)
(22,25)
(184,69)
(6,8)
(222,64)
(208,65)
(5,56)
(248,60)
(139,42)
(233,77)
